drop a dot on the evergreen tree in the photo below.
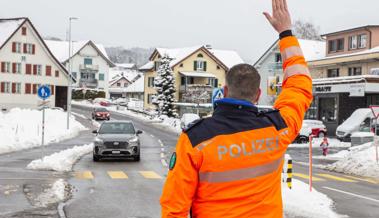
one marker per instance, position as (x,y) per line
(164,84)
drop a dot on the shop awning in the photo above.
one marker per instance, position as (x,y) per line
(198,74)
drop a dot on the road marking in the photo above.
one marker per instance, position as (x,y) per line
(304,176)
(160,142)
(335,178)
(362,179)
(152,135)
(84,175)
(162,155)
(117,175)
(164,163)
(352,194)
(162,149)
(150,175)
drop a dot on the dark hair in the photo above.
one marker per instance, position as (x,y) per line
(243,82)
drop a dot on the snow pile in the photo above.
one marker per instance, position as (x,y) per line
(61,161)
(55,194)
(317,141)
(300,202)
(21,128)
(361,160)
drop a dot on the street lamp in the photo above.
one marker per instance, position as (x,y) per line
(69,72)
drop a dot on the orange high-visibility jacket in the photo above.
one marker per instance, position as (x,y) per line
(229,165)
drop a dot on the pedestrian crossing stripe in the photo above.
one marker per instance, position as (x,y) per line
(84,175)
(150,175)
(117,175)
(337,178)
(304,176)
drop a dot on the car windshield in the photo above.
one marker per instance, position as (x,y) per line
(101,110)
(117,128)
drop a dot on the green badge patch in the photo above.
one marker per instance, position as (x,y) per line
(172,161)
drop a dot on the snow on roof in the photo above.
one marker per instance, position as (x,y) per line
(60,48)
(312,49)
(198,74)
(8,27)
(115,74)
(126,65)
(227,57)
(365,52)
(137,85)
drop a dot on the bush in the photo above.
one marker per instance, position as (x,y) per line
(77,94)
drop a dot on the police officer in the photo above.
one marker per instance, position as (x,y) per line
(229,165)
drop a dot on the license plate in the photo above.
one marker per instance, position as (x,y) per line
(115,152)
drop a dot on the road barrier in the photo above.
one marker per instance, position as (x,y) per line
(287,171)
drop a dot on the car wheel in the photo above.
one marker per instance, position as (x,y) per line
(321,134)
(303,140)
(108,118)
(96,158)
(137,157)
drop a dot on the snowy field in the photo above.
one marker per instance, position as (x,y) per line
(21,128)
(300,202)
(359,160)
(333,143)
(62,161)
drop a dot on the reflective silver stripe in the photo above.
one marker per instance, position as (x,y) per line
(240,174)
(291,52)
(295,70)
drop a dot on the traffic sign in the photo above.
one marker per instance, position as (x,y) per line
(44,92)
(218,93)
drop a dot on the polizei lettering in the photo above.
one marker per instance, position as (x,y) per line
(247,149)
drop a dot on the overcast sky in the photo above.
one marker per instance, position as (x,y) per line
(226,24)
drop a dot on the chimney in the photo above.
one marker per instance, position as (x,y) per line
(208,46)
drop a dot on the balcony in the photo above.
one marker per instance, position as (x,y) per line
(196,93)
(88,83)
(88,67)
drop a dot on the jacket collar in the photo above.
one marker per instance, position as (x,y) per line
(231,104)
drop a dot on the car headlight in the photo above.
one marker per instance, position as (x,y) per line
(99,142)
(133,140)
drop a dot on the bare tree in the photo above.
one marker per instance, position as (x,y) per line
(306,30)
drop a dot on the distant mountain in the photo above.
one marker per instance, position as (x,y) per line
(139,56)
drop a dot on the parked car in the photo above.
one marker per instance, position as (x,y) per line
(318,128)
(305,132)
(187,119)
(360,120)
(101,113)
(116,139)
(102,101)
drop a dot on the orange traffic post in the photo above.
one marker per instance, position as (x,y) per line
(310,163)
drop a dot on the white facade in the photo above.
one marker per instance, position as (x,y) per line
(18,85)
(90,63)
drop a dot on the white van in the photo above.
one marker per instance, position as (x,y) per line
(359,121)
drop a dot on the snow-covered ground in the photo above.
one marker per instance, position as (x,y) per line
(359,160)
(56,193)
(21,128)
(317,141)
(62,161)
(300,202)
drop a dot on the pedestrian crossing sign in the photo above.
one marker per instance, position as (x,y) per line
(218,94)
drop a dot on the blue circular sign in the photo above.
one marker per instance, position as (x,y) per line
(44,92)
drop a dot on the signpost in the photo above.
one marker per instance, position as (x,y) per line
(375,111)
(43,93)
(217,94)
(310,163)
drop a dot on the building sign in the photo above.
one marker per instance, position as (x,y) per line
(323,89)
(355,89)
(272,88)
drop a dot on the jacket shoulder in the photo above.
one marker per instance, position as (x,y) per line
(275,118)
(192,125)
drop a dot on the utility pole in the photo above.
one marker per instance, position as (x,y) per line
(69,88)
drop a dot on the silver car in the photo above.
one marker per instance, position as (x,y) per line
(116,139)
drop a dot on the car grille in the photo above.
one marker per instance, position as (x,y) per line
(340,133)
(116,144)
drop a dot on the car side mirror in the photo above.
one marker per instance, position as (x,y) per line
(94,131)
(139,132)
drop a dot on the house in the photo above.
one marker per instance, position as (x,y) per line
(27,63)
(127,87)
(90,63)
(269,66)
(347,76)
(120,78)
(197,71)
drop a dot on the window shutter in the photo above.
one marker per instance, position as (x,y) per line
(14,67)
(33,49)
(25,48)
(48,70)
(52,89)
(3,67)
(195,65)
(34,69)
(23,31)
(27,88)
(13,47)
(34,88)
(13,87)
(205,66)
(28,69)
(56,73)
(2,87)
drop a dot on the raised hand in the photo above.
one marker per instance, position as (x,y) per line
(280,18)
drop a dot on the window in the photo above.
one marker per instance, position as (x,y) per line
(149,98)
(29,48)
(125,84)
(74,75)
(156,65)
(218,67)
(17,68)
(16,47)
(23,31)
(48,70)
(182,80)
(5,87)
(200,55)
(355,71)
(332,46)
(87,61)
(39,70)
(56,73)
(200,65)
(333,72)
(340,44)
(101,77)
(336,45)
(181,65)
(150,82)
(328,109)
(362,41)
(213,82)
(5,67)
(16,88)
(118,84)
(353,41)
(278,58)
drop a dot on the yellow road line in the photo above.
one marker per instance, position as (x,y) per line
(304,176)
(84,175)
(369,180)
(117,175)
(328,176)
(150,175)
